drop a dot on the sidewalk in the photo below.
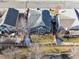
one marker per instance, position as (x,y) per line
(69,43)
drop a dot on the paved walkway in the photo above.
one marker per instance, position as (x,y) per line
(69,43)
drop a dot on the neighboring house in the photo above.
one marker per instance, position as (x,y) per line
(9,20)
(75,25)
(74,29)
(39,21)
(67,17)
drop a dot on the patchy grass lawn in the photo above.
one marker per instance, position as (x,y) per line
(42,38)
(71,39)
(55,49)
(47,49)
